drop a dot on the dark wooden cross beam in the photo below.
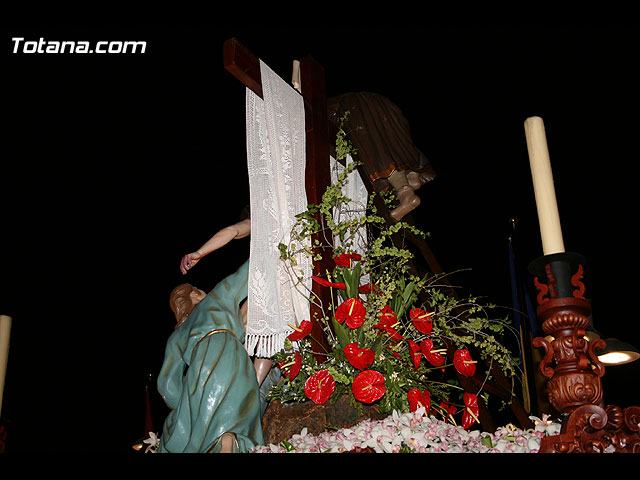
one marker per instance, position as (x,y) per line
(245,66)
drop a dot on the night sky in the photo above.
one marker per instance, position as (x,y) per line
(114,166)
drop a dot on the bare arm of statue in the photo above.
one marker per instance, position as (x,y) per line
(220,239)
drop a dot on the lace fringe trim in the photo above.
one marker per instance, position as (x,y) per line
(265,346)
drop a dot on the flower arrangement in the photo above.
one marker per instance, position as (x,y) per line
(388,329)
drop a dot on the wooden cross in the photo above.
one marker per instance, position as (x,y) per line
(245,66)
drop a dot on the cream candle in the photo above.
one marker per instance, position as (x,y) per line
(543,187)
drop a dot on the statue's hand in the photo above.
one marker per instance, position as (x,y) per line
(188,261)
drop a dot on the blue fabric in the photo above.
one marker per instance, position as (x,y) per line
(207,379)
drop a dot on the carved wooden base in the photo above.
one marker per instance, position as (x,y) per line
(573,369)
(592,429)
(575,378)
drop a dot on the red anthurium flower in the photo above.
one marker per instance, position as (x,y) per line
(300,332)
(352,310)
(388,322)
(463,363)
(421,320)
(471,411)
(295,365)
(327,283)
(419,399)
(415,352)
(344,260)
(388,316)
(319,387)
(366,288)
(393,333)
(368,386)
(361,358)
(434,357)
(450,409)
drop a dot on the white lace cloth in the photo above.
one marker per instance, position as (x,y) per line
(355,190)
(276,160)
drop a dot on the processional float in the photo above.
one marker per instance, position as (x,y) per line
(570,363)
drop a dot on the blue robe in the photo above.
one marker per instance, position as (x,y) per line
(207,378)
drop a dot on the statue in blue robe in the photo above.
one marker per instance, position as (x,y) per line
(207,378)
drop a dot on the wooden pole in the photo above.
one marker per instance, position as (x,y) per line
(317,176)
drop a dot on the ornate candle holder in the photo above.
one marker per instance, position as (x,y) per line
(571,365)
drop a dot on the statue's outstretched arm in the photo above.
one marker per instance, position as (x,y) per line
(220,239)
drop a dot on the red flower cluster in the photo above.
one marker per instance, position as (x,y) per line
(449,409)
(434,357)
(368,386)
(327,283)
(366,288)
(471,411)
(295,365)
(415,352)
(319,387)
(361,358)
(344,260)
(421,320)
(463,363)
(300,332)
(352,310)
(388,322)
(419,399)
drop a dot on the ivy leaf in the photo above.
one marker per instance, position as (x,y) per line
(283,251)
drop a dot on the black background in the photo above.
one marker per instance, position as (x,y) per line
(114,166)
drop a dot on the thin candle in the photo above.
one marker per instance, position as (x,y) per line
(5,330)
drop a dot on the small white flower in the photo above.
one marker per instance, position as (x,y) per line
(153,442)
(501,445)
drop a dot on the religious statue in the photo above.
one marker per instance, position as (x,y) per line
(381,136)
(207,378)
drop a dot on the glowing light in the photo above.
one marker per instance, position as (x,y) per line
(615,358)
